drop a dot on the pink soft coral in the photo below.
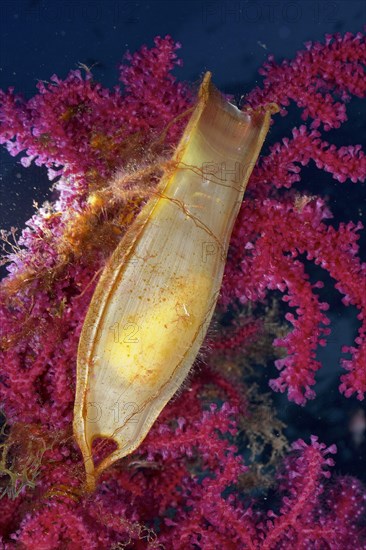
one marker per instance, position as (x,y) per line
(274,229)
(184,481)
(308,518)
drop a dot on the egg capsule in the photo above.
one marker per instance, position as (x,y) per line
(153,303)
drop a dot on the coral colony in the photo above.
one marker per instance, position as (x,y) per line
(200,478)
